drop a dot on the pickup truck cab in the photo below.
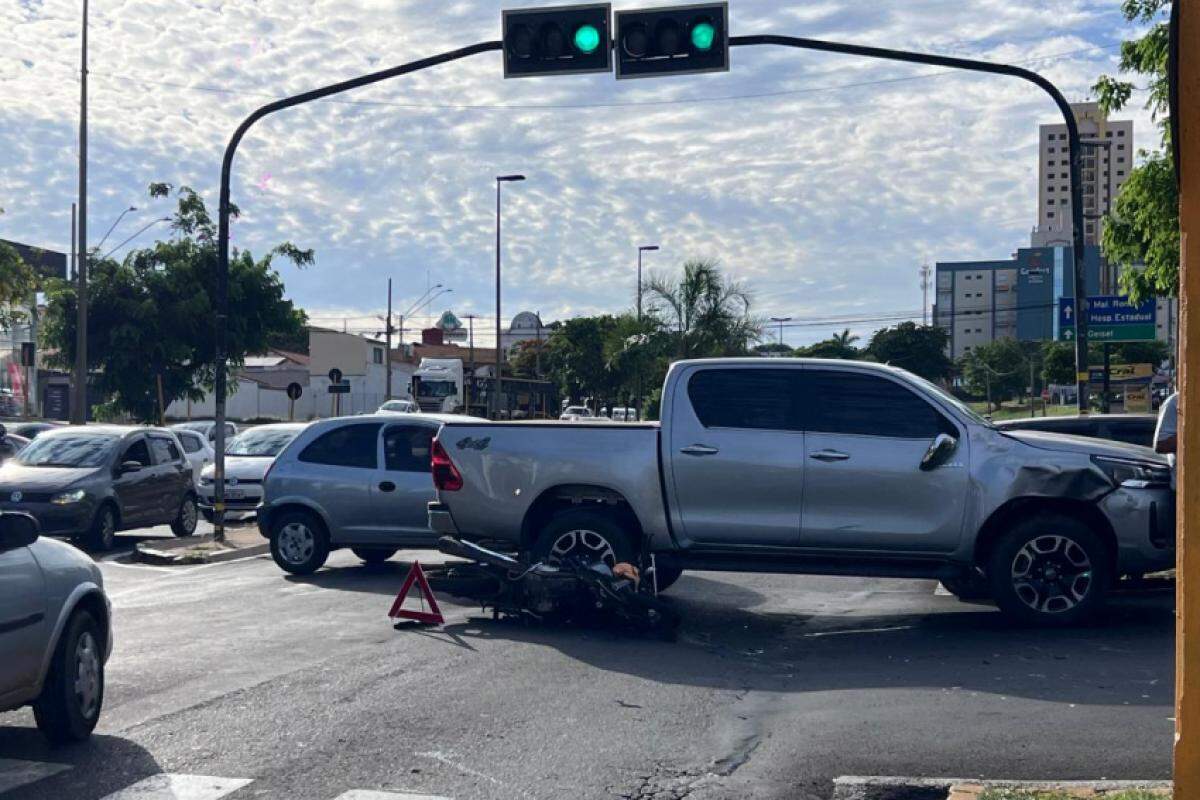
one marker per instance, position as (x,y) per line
(819,467)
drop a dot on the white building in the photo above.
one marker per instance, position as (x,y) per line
(525,327)
(1105,169)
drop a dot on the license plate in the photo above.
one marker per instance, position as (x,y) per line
(235,494)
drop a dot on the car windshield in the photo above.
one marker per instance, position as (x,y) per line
(396,405)
(69,450)
(265,443)
(437,388)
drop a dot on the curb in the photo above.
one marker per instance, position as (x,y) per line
(181,555)
(871,787)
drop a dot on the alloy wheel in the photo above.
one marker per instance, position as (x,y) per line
(187,514)
(296,542)
(1052,574)
(589,544)
(87,675)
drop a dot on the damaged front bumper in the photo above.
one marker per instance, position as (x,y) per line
(1143,519)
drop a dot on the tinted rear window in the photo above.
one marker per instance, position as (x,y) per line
(347,446)
(764,399)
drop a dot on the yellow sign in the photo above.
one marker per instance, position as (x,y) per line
(1126,372)
(1137,400)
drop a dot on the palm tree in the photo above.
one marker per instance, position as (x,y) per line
(705,313)
(845,339)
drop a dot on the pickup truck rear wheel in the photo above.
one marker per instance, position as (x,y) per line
(1049,569)
(594,535)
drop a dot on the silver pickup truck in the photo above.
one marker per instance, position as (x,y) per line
(818,467)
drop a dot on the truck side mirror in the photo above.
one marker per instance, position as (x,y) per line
(940,449)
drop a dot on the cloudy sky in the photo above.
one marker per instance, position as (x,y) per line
(820,181)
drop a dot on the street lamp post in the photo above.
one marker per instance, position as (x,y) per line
(645,248)
(113,227)
(496,393)
(781,320)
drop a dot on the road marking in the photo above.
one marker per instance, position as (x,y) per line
(367,794)
(15,772)
(180,787)
(849,631)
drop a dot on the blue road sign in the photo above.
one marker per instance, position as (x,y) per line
(1110,319)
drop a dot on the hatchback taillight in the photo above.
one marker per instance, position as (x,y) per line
(446,477)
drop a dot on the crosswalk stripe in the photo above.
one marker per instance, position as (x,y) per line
(367,794)
(180,787)
(14,772)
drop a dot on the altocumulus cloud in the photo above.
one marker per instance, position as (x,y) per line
(823,191)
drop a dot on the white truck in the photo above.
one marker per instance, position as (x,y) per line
(437,385)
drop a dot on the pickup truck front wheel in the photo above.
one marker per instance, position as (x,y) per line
(593,535)
(1049,570)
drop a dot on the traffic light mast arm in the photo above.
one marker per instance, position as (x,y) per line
(1077,281)
(222,315)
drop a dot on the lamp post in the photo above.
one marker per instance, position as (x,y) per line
(496,393)
(645,248)
(140,231)
(781,320)
(113,227)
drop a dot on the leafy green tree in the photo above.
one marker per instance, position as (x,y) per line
(920,349)
(705,313)
(997,370)
(772,349)
(18,285)
(151,317)
(840,345)
(575,358)
(1143,227)
(1154,352)
(1058,363)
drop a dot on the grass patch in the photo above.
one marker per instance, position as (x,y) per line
(1017,411)
(1018,794)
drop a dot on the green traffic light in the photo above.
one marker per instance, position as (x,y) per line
(703,34)
(587,38)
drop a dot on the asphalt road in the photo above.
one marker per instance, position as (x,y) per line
(276,687)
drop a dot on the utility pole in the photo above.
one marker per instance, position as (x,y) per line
(470,388)
(499,349)
(387,393)
(80,400)
(925,271)
(646,248)
(74,234)
(537,354)
(781,320)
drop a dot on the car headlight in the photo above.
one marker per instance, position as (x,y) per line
(1132,472)
(67,498)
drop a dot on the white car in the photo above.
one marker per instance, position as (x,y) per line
(248,456)
(55,631)
(197,450)
(207,427)
(623,414)
(576,413)
(400,407)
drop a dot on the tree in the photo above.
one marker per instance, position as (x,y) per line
(18,285)
(1154,352)
(997,370)
(1058,363)
(705,314)
(920,349)
(151,316)
(1143,228)
(839,345)
(575,358)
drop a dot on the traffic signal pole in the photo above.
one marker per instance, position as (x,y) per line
(971,65)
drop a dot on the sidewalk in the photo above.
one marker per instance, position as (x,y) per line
(241,541)
(898,788)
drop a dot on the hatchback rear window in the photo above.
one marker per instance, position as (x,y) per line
(347,446)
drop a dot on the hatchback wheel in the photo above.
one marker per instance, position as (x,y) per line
(1050,570)
(103,533)
(299,543)
(184,523)
(69,706)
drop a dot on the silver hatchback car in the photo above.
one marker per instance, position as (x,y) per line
(54,630)
(358,482)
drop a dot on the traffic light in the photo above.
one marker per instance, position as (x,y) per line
(557,41)
(676,40)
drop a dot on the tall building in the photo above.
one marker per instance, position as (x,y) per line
(1106,167)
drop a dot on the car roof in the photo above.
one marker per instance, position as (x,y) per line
(278,426)
(395,419)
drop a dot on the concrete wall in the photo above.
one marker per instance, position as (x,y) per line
(249,401)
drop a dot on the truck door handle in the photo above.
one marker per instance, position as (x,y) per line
(387,486)
(699,450)
(830,455)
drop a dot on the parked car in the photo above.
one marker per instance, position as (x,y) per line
(623,414)
(55,632)
(248,456)
(90,482)
(10,444)
(197,450)
(399,407)
(1129,428)
(358,482)
(575,413)
(819,467)
(207,427)
(30,430)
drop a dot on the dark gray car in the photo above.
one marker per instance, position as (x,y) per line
(90,482)
(359,482)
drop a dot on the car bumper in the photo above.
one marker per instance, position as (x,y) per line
(1143,519)
(249,500)
(56,520)
(440,520)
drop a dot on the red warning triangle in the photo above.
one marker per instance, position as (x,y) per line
(430,613)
